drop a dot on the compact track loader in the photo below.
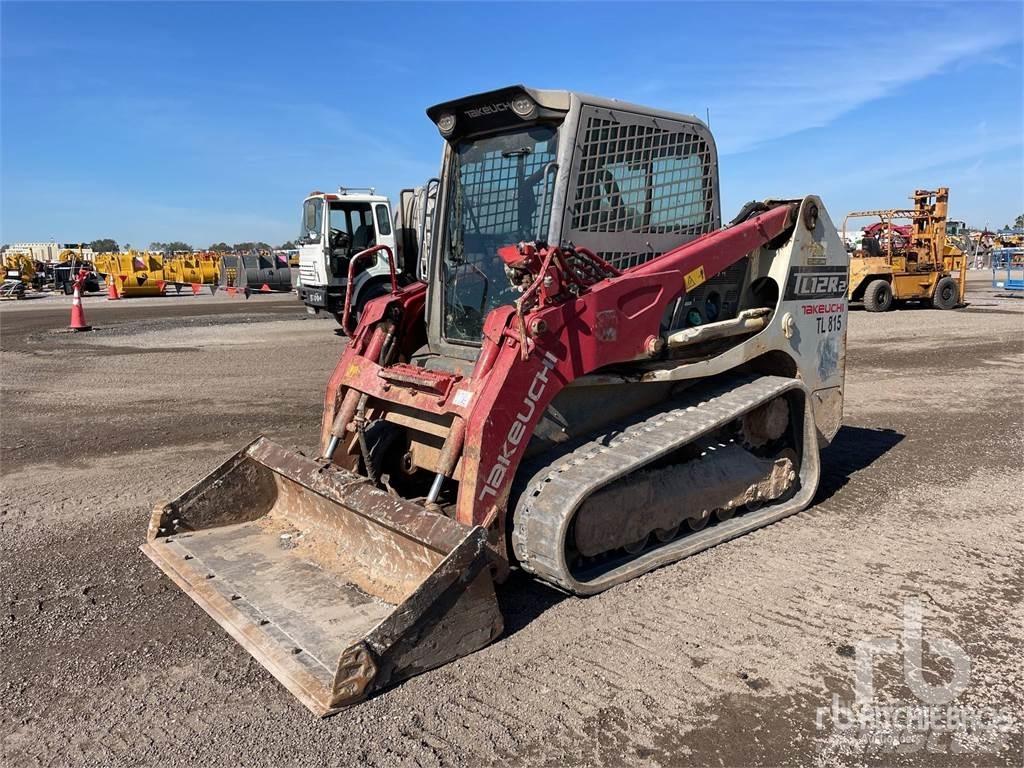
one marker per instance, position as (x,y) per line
(597,379)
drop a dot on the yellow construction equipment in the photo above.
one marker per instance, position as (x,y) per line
(136,273)
(190,268)
(19,263)
(147,274)
(208,266)
(18,271)
(105,263)
(183,269)
(913,262)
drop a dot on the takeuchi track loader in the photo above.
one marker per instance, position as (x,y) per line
(597,379)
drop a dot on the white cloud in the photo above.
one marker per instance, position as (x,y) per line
(812,76)
(929,156)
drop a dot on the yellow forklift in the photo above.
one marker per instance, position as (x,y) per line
(910,262)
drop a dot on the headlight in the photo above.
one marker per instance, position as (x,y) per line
(446,123)
(523,106)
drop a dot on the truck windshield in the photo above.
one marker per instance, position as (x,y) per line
(495,197)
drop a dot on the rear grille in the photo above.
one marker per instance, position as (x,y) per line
(640,186)
(644,179)
(625,260)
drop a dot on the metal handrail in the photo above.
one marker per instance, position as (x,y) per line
(372,251)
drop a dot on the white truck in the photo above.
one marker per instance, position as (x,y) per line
(338,225)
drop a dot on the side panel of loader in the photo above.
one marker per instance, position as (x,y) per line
(806,278)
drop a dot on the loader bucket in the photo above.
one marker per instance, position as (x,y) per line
(337,587)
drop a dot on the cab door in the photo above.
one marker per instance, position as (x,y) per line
(312,243)
(385,231)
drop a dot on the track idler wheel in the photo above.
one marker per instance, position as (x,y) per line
(636,547)
(697,523)
(725,513)
(765,423)
(666,534)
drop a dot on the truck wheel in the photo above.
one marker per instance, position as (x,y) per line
(947,294)
(878,296)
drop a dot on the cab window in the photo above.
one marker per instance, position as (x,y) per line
(383,220)
(356,221)
(312,219)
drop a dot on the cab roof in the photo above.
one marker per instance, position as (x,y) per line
(351,195)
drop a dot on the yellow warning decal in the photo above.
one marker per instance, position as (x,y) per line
(353,371)
(695,278)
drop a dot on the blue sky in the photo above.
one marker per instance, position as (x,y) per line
(207,122)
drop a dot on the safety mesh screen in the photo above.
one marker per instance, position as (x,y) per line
(626,259)
(492,186)
(496,197)
(643,179)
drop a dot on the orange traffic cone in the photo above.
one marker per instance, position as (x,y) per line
(77,313)
(112,293)
(264,288)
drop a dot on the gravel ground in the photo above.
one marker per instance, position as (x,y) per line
(736,656)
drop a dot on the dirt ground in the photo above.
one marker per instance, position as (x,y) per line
(738,656)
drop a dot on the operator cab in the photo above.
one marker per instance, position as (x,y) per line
(558,167)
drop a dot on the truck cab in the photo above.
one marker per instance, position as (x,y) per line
(335,227)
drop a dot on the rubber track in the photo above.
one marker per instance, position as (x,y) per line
(551,497)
